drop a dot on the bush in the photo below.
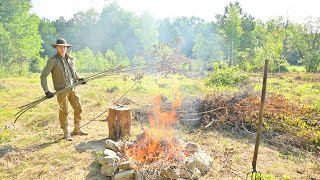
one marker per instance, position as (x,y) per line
(226,76)
(299,69)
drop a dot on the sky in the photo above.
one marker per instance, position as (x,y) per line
(295,10)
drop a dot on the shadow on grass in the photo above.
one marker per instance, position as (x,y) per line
(6,149)
(94,145)
(95,173)
(42,145)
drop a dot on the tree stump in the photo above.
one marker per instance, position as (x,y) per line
(119,122)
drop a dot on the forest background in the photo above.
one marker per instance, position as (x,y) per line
(114,36)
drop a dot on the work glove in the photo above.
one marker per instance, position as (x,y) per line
(49,94)
(82,81)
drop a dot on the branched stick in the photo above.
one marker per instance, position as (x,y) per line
(31,105)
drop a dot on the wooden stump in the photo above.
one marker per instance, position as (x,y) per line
(119,122)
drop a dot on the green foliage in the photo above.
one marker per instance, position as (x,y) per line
(207,48)
(87,61)
(5,49)
(226,76)
(138,60)
(125,61)
(248,43)
(231,30)
(286,177)
(236,36)
(37,65)
(20,39)
(248,38)
(140,89)
(259,176)
(116,25)
(146,30)
(111,58)
(100,62)
(312,61)
(49,35)
(120,51)
(184,31)
(299,69)
(305,40)
(98,154)
(271,39)
(82,30)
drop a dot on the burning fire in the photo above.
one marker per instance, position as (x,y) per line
(158,144)
(164,119)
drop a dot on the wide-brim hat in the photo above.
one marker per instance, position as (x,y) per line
(61,42)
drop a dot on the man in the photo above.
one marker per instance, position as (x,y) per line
(63,71)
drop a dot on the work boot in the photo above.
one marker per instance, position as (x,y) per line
(67,135)
(77,131)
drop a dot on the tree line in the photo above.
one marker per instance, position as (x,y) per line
(102,40)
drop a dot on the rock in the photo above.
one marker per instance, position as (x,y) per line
(196,174)
(125,165)
(110,144)
(138,176)
(129,144)
(109,152)
(202,161)
(180,142)
(192,147)
(190,163)
(120,145)
(185,174)
(161,178)
(124,175)
(108,160)
(109,169)
(170,173)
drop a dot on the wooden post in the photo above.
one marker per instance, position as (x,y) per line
(258,134)
(119,122)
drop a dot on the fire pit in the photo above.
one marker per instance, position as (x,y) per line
(155,153)
(132,160)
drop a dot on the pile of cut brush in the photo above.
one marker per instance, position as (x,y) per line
(285,122)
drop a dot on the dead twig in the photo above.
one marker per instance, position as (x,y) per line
(210,123)
(246,129)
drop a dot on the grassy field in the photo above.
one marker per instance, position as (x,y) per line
(32,148)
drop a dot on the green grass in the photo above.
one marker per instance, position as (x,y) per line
(304,93)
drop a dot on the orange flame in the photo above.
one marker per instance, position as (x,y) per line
(161,119)
(157,142)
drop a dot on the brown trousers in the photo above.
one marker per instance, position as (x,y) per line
(73,98)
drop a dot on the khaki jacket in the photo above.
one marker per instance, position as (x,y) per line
(55,67)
